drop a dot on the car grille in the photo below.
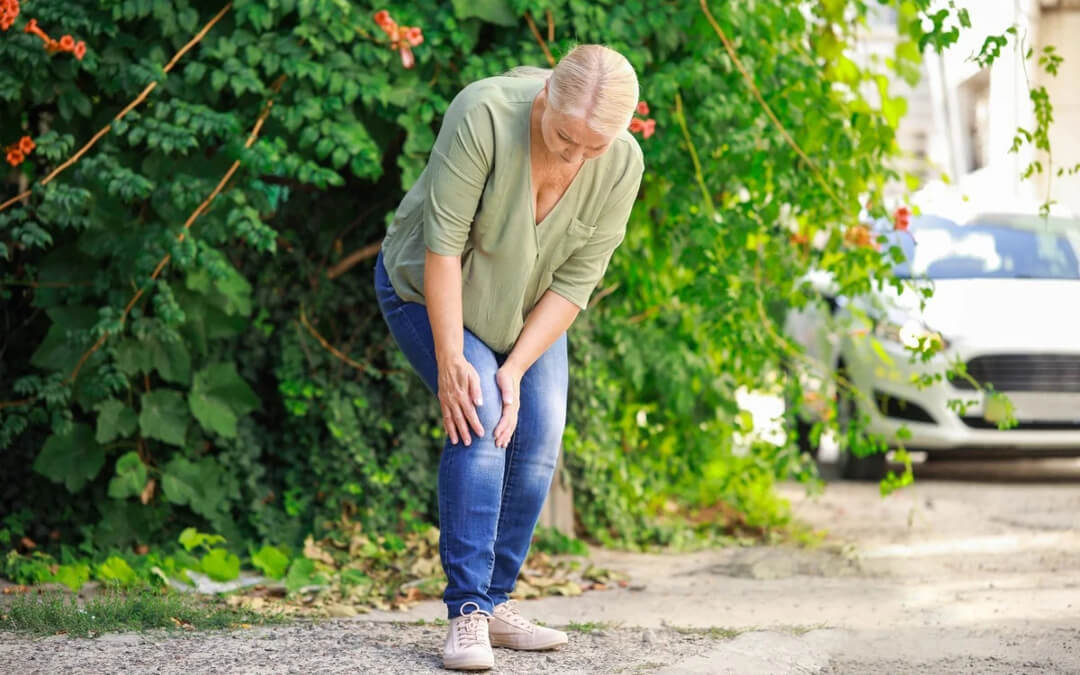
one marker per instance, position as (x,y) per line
(1024,372)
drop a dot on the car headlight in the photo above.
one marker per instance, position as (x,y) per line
(911,333)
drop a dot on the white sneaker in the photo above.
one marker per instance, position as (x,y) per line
(510,629)
(467,644)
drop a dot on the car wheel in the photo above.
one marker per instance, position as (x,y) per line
(852,467)
(802,426)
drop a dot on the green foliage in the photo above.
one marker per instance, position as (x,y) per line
(209,392)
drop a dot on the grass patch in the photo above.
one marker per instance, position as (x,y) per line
(591,626)
(714,632)
(52,612)
(721,633)
(803,630)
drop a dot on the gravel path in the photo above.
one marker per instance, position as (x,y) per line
(948,576)
(336,646)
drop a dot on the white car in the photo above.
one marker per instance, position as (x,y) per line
(1006,302)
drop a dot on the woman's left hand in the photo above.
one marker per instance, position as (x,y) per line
(508,378)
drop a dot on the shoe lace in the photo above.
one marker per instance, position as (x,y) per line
(472,628)
(510,614)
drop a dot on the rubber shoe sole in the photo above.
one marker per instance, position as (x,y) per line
(468,662)
(499,641)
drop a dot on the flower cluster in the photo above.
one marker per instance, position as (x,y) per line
(902,219)
(64,44)
(860,235)
(9,9)
(17,152)
(646,126)
(402,38)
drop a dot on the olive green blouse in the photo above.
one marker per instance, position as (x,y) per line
(474,199)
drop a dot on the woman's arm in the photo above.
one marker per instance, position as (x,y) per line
(459,383)
(549,319)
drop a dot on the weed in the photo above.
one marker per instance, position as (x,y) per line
(51,612)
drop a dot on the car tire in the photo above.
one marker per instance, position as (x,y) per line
(852,467)
(803,429)
(802,426)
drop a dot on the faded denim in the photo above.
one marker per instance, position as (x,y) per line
(489,498)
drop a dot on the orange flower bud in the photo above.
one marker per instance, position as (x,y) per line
(642,108)
(414,36)
(15,157)
(636,124)
(648,128)
(80,49)
(407,59)
(67,43)
(26,144)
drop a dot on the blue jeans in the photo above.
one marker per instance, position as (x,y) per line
(489,498)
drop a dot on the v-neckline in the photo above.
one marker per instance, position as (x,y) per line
(528,157)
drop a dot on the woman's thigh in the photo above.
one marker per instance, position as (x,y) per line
(411,328)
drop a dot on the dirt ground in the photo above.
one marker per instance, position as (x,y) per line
(974,569)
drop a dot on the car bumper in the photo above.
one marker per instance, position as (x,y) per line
(1047,420)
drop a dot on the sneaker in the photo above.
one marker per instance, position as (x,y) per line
(467,644)
(510,629)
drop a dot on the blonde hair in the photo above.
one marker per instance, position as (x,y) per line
(592,81)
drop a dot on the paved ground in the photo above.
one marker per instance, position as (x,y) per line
(950,576)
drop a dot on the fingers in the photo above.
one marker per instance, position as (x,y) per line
(462,426)
(448,423)
(458,416)
(474,387)
(505,428)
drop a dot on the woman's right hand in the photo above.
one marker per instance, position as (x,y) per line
(459,395)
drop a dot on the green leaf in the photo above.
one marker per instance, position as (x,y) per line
(116,568)
(164,416)
(130,476)
(56,352)
(71,459)
(999,408)
(115,420)
(196,484)
(220,565)
(493,11)
(879,349)
(73,576)
(271,561)
(190,538)
(302,573)
(219,397)
(171,359)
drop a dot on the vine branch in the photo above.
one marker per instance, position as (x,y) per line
(326,345)
(539,38)
(357,256)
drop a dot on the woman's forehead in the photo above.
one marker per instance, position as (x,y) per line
(578,130)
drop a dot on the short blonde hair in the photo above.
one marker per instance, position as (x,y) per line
(592,81)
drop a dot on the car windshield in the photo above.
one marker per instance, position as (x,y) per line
(987,249)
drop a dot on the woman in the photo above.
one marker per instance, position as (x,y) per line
(489,259)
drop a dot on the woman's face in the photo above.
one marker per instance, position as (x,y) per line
(568,137)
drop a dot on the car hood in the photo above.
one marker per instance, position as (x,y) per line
(1029,314)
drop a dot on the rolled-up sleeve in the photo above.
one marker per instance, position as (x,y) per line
(457,171)
(577,277)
